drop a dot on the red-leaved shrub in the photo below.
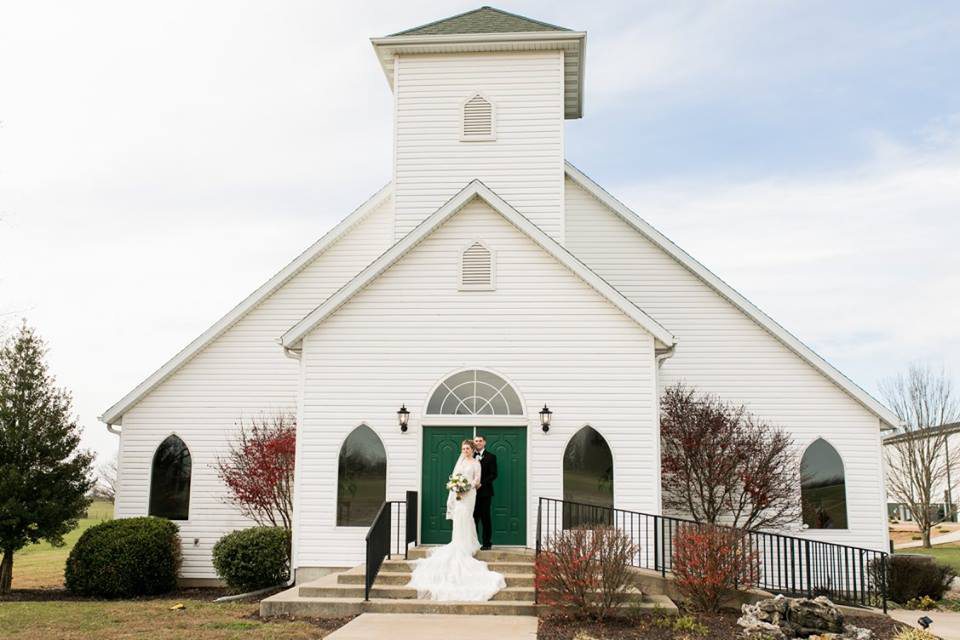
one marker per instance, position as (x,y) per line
(585,572)
(258,470)
(709,562)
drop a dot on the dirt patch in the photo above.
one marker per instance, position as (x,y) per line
(669,627)
(327,624)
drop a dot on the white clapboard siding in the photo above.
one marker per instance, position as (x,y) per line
(723,351)
(523,164)
(543,329)
(242,373)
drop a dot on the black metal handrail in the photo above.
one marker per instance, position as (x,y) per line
(394,515)
(784,564)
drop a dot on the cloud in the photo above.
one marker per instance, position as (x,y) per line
(862,264)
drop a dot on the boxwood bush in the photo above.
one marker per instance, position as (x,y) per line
(124,558)
(254,558)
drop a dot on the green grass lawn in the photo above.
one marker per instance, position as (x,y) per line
(124,619)
(40,566)
(946,554)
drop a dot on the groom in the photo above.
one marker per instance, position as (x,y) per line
(488,473)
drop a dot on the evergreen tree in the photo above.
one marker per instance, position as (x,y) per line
(44,478)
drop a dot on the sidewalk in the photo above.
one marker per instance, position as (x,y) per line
(946,624)
(404,626)
(953,536)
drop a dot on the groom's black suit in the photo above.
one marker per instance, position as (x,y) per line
(481,510)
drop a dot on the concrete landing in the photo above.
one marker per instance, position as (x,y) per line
(403,626)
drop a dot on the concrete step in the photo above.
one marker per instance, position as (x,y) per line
(289,603)
(517,594)
(394,579)
(503,554)
(402,566)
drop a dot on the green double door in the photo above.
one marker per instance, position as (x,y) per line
(441,448)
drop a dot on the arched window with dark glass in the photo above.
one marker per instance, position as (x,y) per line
(170,480)
(823,487)
(361,478)
(587,479)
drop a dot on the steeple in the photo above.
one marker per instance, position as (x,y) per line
(482,95)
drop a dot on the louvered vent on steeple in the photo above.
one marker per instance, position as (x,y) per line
(476,268)
(478,119)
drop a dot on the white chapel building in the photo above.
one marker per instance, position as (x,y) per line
(489,279)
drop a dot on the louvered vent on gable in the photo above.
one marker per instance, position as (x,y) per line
(478,119)
(476,268)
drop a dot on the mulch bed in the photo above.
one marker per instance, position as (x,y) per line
(327,624)
(658,627)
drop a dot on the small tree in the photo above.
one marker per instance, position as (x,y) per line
(44,477)
(918,458)
(585,571)
(711,562)
(721,465)
(258,470)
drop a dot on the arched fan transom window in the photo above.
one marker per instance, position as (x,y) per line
(475,393)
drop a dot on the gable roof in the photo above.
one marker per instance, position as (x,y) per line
(475,189)
(114,414)
(736,299)
(945,429)
(482,20)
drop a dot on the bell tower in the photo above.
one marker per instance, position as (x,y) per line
(482,95)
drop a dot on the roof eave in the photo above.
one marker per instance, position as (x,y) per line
(114,415)
(885,415)
(386,48)
(293,337)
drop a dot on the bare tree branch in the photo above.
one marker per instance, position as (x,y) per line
(918,458)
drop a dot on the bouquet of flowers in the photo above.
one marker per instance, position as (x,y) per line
(458,484)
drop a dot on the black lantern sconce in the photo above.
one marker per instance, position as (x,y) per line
(403,415)
(545,416)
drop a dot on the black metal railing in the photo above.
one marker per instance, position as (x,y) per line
(392,531)
(781,563)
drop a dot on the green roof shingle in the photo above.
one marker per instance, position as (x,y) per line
(482,20)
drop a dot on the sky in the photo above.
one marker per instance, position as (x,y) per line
(160,161)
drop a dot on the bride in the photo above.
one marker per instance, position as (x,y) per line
(451,572)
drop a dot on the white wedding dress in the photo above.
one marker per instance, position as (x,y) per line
(451,572)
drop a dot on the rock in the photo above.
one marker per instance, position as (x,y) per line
(782,618)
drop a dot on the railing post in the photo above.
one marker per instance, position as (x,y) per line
(536,586)
(413,522)
(806,552)
(656,543)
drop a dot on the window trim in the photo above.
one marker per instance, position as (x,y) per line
(336,477)
(846,501)
(153,459)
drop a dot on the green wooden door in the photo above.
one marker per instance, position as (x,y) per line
(509,508)
(441,448)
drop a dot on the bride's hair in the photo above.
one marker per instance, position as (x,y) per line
(473,447)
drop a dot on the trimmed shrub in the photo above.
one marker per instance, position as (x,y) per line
(710,562)
(125,558)
(254,558)
(585,572)
(911,577)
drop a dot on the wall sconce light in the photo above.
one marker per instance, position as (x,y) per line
(545,416)
(403,415)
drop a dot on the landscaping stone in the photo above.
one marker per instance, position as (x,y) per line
(781,618)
